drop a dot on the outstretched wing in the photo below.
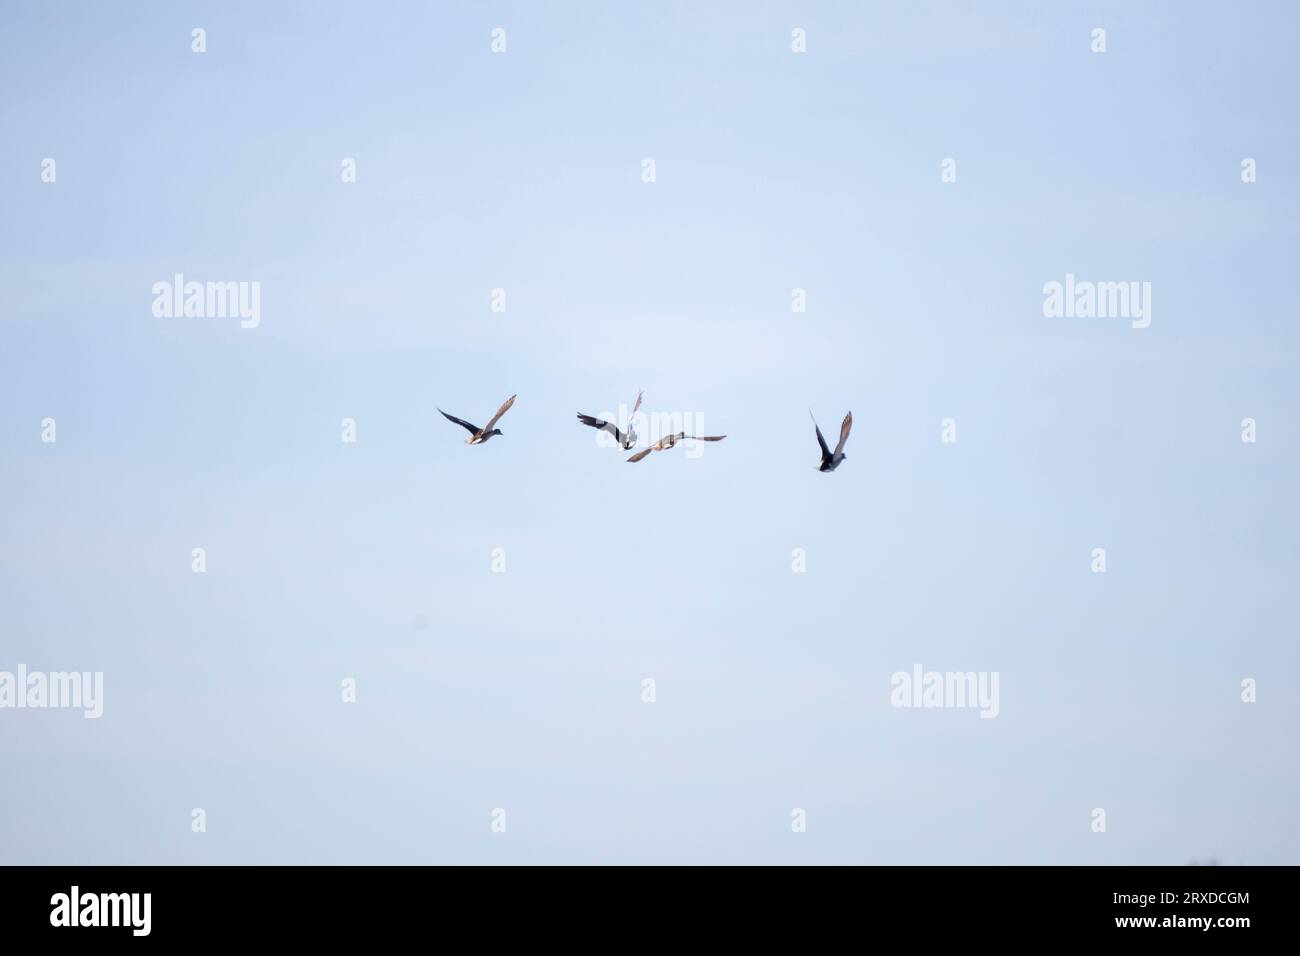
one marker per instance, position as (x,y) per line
(602,425)
(826,452)
(505,407)
(631,419)
(844,432)
(642,453)
(705,437)
(473,429)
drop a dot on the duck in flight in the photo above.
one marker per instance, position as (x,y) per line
(478,436)
(668,441)
(831,460)
(628,440)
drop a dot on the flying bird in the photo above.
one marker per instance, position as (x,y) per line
(478,436)
(831,460)
(625,440)
(668,441)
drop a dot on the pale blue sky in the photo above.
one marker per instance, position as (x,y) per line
(522,690)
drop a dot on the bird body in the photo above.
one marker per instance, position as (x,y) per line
(626,440)
(478,436)
(831,460)
(668,441)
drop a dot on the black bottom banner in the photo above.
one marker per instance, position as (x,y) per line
(368,904)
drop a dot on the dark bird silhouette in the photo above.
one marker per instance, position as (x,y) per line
(478,436)
(625,440)
(831,459)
